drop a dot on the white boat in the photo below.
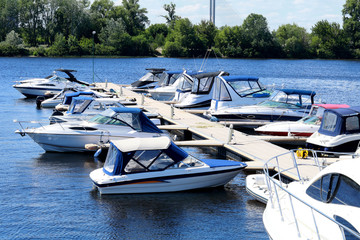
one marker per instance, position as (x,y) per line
(52,84)
(148,81)
(83,108)
(237,90)
(304,127)
(338,132)
(257,187)
(283,105)
(113,123)
(142,165)
(180,83)
(325,207)
(201,91)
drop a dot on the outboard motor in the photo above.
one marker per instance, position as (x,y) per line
(39,100)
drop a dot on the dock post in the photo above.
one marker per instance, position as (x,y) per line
(172,111)
(231,131)
(121,90)
(106,83)
(142,99)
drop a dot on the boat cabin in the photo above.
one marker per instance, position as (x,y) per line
(290,98)
(152,76)
(122,116)
(237,91)
(142,156)
(83,103)
(340,121)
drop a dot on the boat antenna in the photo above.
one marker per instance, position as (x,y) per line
(93,53)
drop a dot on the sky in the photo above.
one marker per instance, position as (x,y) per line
(305,13)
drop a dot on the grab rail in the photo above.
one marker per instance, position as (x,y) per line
(275,185)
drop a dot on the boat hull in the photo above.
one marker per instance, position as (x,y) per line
(186,180)
(32,92)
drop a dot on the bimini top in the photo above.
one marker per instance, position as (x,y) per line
(296,91)
(123,116)
(340,121)
(142,155)
(69,96)
(236,78)
(71,76)
(209,74)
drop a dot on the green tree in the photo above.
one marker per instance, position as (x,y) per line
(329,40)
(258,41)
(13,38)
(31,12)
(171,17)
(60,47)
(294,40)
(228,41)
(351,22)
(134,17)
(157,33)
(9,10)
(101,11)
(206,31)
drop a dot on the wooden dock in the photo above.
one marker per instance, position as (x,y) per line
(212,134)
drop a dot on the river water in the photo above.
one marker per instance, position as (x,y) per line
(49,195)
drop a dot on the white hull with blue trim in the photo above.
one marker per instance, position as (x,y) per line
(114,123)
(145,166)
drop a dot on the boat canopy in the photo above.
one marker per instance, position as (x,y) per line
(142,155)
(69,96)
(203,82)
(152,76)
(297,91)
(340,121)
(123,116)
(244,86)
(79,104)
(240,78)
(169,77)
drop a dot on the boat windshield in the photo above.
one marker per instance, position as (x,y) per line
(79,106)
(148,77)
(244,88)
(203,85)
(168,79)
(58,79)
(280,99)
(148,160)
(311,120)
(185,83)
(120,119)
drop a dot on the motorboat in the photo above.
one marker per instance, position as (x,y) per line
(338,132)
(113,123)
(83,107)
(50,85)
(56,99)
(257,187)
(142,165)
(181,83)
(282,105)
(304,127)
(326,206)
(201,91)
(237,90)
(148,81)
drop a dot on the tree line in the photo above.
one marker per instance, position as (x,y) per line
(77,28)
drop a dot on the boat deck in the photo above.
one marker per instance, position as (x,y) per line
(249,148)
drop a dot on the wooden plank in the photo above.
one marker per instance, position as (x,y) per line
(199,143)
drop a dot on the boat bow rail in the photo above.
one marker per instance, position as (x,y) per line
(279,192)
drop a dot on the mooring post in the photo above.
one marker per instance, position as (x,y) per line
(172,111)
(121,90)
(231,131)
(142,99)
(106,83)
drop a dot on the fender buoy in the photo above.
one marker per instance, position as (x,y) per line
(302,153)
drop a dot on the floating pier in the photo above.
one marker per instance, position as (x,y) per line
(200,132)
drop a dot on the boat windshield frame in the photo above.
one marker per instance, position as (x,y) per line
(247,91)
(113,120)
(280,99)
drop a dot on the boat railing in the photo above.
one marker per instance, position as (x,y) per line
(21,123)
(278,188)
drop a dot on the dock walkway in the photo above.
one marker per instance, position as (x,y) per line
(248,147)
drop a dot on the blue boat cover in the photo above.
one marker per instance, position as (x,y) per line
(236,78)
(173,72)
(296,91)
(222,163)
(340,125)
(146,124)
(69,96)
(76,100)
